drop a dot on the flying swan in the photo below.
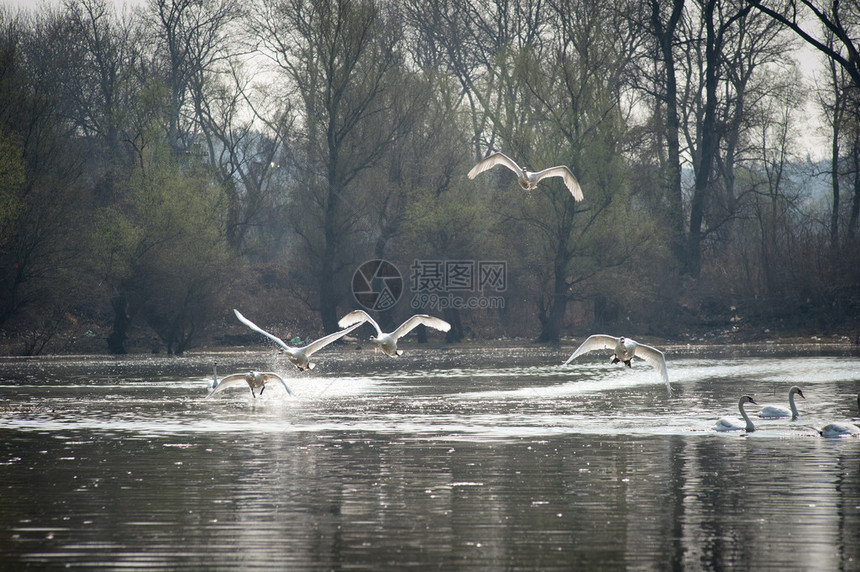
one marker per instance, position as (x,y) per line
(388,341)
(777,411)
(299,356)
(729,424)
(625,350)
(841,429)
(254,379)
(527,179)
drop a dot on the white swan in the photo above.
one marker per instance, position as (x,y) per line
(842,428)
(299,356)
(777,411)
(625,350)
(729,424)
(388,341)
(528,180)
(839,430)
(254,379)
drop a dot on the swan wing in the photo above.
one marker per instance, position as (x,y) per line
(727,424)
(838,430)
(773,411)
(229,381)
(570,180)
(269,376)
(260,330)
(492,161)
(655,358)
(326,340)
(594,342)
(418,319)
(358,317)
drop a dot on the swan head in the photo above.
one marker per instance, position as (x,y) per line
(796,390)
(747,399)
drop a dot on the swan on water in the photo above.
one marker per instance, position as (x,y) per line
(625,350)
(299,356)
(388,341)
(841,428)
(528,180)
(777,411)
(729,424)
(254,379)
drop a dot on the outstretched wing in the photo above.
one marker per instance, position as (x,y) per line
(492,161)
(324,341)
(595,342)
(269,376)
(260,330)
(227,382)
(358,317)
(416,320)
(655,358)
(569,179)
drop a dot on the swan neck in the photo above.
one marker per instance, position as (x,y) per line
(794,413)
(750,426)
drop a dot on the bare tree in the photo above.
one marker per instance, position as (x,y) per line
(342,59)
(831,27)
(99,86)
(190,40)
(246,130)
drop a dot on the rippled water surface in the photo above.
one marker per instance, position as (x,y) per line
(459,458)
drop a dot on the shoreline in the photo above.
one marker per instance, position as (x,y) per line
(515,348)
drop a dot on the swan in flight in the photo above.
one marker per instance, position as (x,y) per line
(254,379)
(729,424)
(777,411)
(841,429)
(299,356)
(527,179)
(625,350)
(388,341)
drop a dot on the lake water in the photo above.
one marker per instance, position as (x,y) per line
(449,459)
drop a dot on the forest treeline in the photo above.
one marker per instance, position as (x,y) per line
(164,164)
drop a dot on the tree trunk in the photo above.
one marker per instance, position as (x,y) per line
(855,203)
(707,148)
(455,334)
(552,318)
(666,37)
(329,292)
(834,180)
(121,322)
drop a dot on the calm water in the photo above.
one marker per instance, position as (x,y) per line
(458,459)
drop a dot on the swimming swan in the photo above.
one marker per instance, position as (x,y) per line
(841,429)
(729,424)
(299,356)
(527,179)
(777,411)
(388,341)
(625,350)
(254,379)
